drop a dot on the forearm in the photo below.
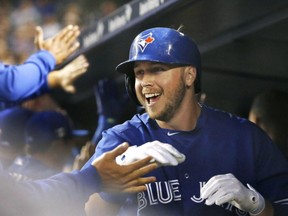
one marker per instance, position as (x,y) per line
(66,185)
(22,81)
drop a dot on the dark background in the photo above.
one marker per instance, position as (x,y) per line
(243,44)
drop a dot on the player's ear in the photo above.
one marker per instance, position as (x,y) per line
(190,75)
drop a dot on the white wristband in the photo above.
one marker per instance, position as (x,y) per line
(257,200)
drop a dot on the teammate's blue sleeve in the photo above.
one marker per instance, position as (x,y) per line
(62,194)
(76,184)
(19,82)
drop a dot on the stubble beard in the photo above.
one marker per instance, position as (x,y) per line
(171,106)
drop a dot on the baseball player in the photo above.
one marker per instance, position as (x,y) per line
(231,167)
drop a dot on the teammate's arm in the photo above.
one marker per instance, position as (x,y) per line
(70,191)
(19,82)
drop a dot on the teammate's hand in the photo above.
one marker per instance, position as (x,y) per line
(162,153)
(227,189)
(66,76)
(61,45)
(116,178)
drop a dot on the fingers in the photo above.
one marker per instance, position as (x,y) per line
(138,185)
(224,198)
(169,148)
(68,34)
(68,30)
(219,197)
(134,182)
(174,151)
(215,183)
(162,157)
(71,72)
(64,43)
(139,168)
(135,189)
(163,153)
(70,89)
(219,189)
(118,150)
(80,65)
(140,181)
(211,187)
(73,48)
(76,68)
(38,40)
(138,164)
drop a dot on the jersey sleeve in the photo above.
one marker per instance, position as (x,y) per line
(62,194)
(65,193)
(19,82)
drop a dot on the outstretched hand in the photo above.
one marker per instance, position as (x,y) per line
(66,76)
(61,45)
(129,179)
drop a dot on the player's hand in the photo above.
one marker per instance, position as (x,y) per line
(227,189)
(66,76)
(162,153)
(61,45)
(116,178)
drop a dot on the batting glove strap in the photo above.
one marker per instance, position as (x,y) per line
(257,202)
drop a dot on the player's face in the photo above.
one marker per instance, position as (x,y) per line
(160,88)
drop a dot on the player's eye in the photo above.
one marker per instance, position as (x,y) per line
(156,69)
(138,73)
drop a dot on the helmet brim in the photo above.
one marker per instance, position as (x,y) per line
(125,67)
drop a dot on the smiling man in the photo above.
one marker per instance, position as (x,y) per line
(223,153)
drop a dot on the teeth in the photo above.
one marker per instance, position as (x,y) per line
(151,95)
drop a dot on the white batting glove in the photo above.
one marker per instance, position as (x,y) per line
(162,153)
(226,188)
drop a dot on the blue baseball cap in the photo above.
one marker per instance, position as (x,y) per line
(47,126)
(12,124)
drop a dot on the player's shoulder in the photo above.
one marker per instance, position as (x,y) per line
(136,127)
(137,121)
(222,117)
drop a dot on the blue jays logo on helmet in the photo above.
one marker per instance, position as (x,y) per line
(145,40)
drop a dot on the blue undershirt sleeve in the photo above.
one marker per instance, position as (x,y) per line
(19,82)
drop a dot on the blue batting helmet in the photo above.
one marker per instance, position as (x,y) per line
(163,45)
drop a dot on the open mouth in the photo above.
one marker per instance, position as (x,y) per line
(151,97)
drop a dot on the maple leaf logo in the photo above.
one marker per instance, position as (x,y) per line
(145,40)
